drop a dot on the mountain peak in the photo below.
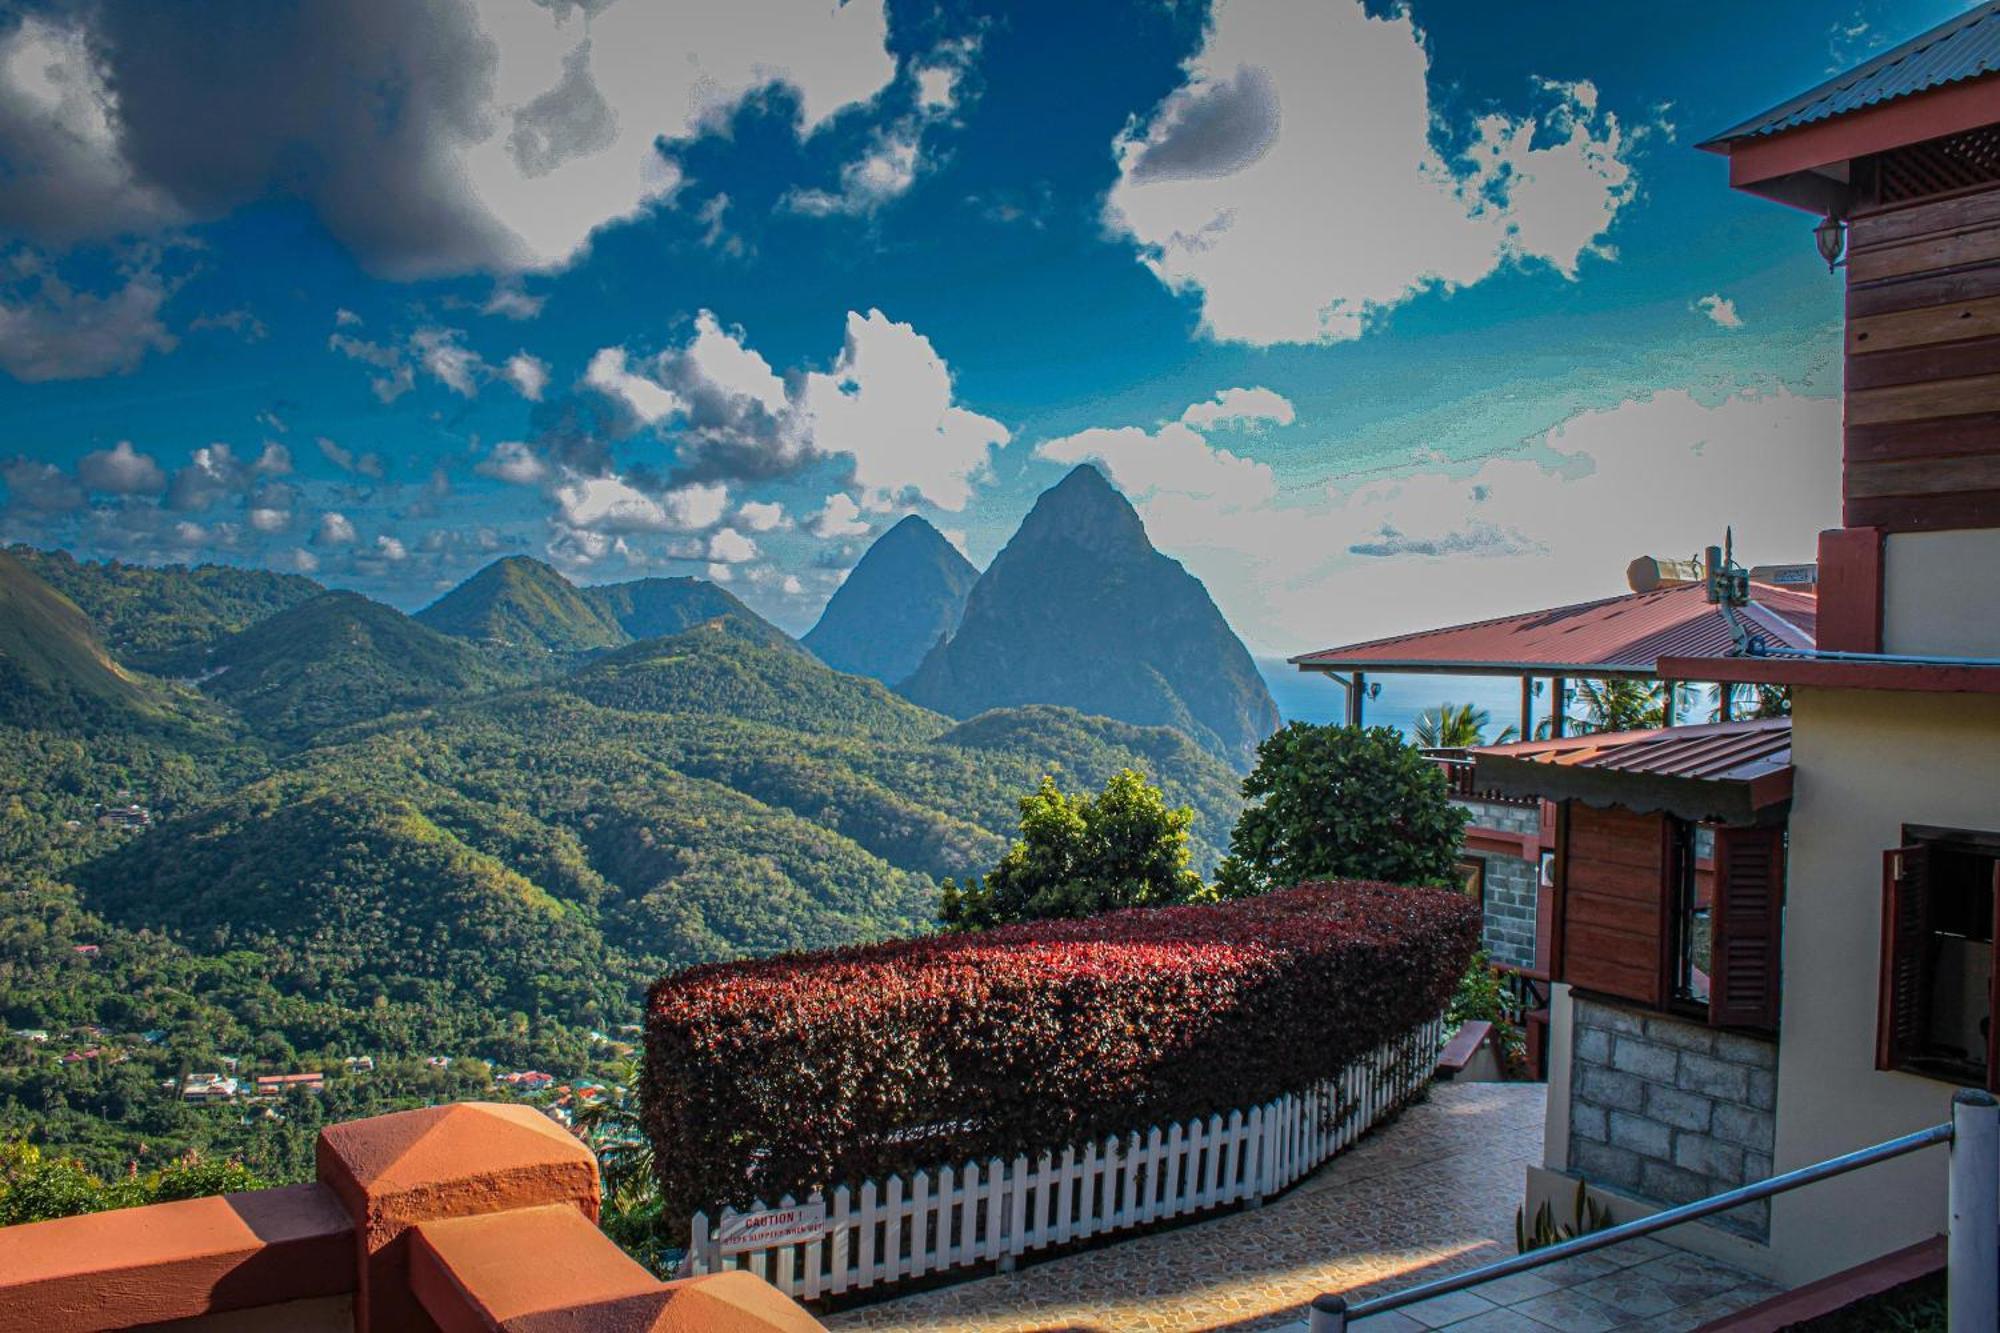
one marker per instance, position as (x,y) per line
(904,595)
(1079,610)
(1085,509)
(520,604)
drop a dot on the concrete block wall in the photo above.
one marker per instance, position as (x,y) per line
(1512,883)
(1671,1110)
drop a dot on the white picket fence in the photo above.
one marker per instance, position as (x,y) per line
(932,1221)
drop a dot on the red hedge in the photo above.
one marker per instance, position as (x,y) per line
(783,1075)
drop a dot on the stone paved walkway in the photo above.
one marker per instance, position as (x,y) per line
(1433,1193)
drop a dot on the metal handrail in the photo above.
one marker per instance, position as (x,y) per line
(1331,1312)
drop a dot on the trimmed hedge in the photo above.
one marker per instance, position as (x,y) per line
(784,1075)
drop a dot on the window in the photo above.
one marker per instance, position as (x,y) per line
(1693,937)
(1671,914)
(1938,952)
(1472,878)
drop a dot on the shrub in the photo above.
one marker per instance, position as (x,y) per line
(1081,855)
(784,1075)
(1341,803)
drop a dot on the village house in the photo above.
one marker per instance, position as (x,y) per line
(277,1085)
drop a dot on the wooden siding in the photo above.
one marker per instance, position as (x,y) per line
(1923,365)
(1614,903)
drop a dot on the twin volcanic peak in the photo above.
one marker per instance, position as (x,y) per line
(898,603)
(1079,609)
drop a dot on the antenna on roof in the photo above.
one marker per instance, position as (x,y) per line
(1728,582)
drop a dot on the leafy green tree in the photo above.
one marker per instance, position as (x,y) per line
(1754,701)
(1341,803)
(1080,855)
(1457,727)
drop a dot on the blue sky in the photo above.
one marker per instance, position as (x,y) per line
(1384,317)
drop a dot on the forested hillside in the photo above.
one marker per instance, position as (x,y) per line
(363,836)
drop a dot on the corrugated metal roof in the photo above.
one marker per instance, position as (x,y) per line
(1718,752)
(1625,635)
(1967,47)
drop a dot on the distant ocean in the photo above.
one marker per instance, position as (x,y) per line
(1311,697)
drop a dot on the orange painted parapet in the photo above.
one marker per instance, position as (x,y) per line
(472,1216)
(463,1160)
(175,1261)
(548,1268)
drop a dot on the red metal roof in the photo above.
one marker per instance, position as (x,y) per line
(1625,635)
(1728,772)
(1718,752)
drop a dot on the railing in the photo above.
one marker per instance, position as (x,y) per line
(1459,774)
(996,1211)
(1973,1295)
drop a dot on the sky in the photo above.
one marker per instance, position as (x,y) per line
(1385,316)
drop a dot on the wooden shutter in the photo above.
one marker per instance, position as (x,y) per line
(1746,917)
(1615,868)
(1901,1020)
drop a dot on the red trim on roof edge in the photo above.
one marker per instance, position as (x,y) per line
(1875,129)
(1835,675)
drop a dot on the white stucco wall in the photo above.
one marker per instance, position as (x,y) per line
(1866,764)
(1941,593)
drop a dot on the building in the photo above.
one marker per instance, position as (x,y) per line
(1773,943)
(209,1088)
(277,1085)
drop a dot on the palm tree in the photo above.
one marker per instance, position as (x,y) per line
(1765,701)
(1457,727)
(1620,704)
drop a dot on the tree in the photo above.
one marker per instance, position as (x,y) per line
(1457,727)
(1763,700)
(1342,803)
(1080,855)
(1620,704)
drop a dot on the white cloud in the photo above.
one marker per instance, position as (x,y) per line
(887,404)
(335,529)
(269,520)
(720,573)
(1720,309)
(448,360)
(1245,407)
(510,302)
(791,586)
(304,561)
(343,318)
(1176,458)
(613,505)
(517,130)
(839,517)
(730,547)
(1294,184)
(762,516)
(1552,521)
(515,463)
(395,376)
(391,549)
(528,374)
(214,472)
(39,486)
(895,155)
(121,470)
(644,398)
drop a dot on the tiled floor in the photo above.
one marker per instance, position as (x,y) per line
(1432,1194)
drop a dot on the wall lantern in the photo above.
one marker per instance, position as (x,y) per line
(1831,238)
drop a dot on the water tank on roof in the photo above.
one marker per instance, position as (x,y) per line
(1652,572)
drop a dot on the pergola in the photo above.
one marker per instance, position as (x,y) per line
(1624,637)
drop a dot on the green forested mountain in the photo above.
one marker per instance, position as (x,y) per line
(336,659)
(654,608)
(371,838)
(523,607)
(1080,610)
(163,620)
(897,603)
